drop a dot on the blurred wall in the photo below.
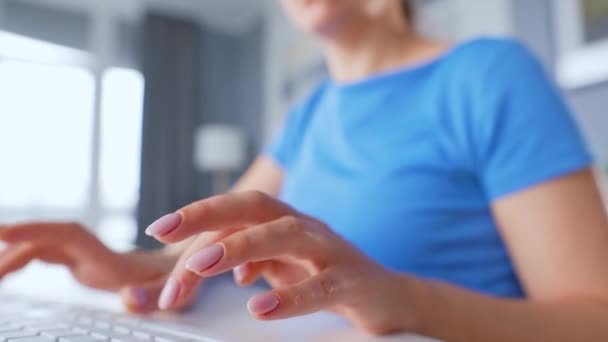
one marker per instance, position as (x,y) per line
(232,85)
(232,74)
(70,28)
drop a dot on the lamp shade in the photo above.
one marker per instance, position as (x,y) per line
(219,148)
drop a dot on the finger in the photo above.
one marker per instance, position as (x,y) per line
(248,273)
(68,238)
(183,284)
(143,298)
(229,211)
(285,236)
(52,232)
(47,234)
(314,294)
(16,257)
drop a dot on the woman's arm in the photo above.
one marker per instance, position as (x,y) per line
(263,175)
(557,235)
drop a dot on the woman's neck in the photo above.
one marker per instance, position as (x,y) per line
(371,49)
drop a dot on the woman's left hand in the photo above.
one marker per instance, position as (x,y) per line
(309,266)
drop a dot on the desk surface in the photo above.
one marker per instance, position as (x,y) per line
(220,311)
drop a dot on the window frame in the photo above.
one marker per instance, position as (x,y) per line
(579,64)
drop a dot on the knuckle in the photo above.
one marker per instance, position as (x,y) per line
(298,299)
(199,208)
(241,244)
(256,196)
(292,225)
(328,286)
(319,292)
(319,263)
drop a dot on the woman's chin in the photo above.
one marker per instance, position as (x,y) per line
(323,29)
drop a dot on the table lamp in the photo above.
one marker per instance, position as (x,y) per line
(220,150)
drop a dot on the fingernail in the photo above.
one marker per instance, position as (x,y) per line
(169,295)
(240,272)
(139,297)
(262,304)
(164,225)
(205,258)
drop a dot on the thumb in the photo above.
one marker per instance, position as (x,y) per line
(143,298)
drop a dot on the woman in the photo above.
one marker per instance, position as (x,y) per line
(442,190)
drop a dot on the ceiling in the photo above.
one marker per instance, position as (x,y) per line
(227,15)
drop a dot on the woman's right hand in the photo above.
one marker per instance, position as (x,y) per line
(138,276)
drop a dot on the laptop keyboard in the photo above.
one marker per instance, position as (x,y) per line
(31,321)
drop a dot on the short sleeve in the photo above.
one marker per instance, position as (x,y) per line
(527,134)
(285,144)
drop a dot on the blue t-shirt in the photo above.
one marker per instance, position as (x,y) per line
(405,165)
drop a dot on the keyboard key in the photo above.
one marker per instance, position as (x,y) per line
(128,338)
(101,316)
(85,321)
(165,339)
(86,338)
(34,321)
(9,327)
(80,331)
(103,333)
(8,316)
(34,339)
(128,321)
(159,336)
(13,307)
(46,326)
(9,335)
(38,313)
(142,335)
(61,333)
(102,325)
(121,329)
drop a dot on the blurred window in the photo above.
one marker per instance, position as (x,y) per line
(46,122)
(121,121)
(47,145)
(121,118)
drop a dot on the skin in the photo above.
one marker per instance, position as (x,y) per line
(556,232)
(141,275)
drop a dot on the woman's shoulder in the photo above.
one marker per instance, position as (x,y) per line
(493,64)
(490,55)
(491,49)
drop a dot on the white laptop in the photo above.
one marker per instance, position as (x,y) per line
(43,304)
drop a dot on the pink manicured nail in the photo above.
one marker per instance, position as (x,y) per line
(169,295)
(262,304)
(205,258)
(164,225)
(139,297)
